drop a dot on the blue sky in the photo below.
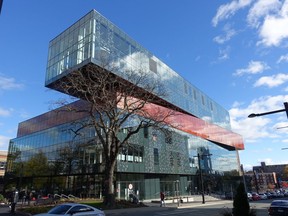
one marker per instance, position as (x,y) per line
(234,51)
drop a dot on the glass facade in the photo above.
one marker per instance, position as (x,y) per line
(94,37)
(154,160)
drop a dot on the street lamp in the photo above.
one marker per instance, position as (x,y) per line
(201,175)
(252,115)
(177,192)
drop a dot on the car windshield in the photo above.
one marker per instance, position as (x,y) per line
(61,209)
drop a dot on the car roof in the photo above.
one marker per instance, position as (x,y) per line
(280,202)
(72,204)
(76,204)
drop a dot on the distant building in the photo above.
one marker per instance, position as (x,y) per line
(3,161)
(262,182)
(276,173)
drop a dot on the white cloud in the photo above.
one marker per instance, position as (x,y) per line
(9,83)
(4,141)
(250,129)
(225,11)
(270,17)
(261,9)
(269,149)
(268,161)
(272,81)
(229,33)
(247,167)
(224,53)
(284,9)
(5,112)
(282,127)
(283,58)
(274,30)
(253,129)
(254,67)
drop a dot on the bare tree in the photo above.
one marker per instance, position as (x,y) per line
(111,103)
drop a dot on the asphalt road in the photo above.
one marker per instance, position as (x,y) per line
(198,209)
(208,209)
(5,210)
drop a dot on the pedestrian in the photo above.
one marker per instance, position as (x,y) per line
(162,199)
(15,198)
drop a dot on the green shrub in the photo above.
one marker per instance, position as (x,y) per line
(241,205)
(34,209)
(2,198)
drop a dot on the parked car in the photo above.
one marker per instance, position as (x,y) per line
(269,195)
(273,195)
(278,208)
(249,195)
(46,200)
(255,196)
(75,209)
(263,196)
(229,195)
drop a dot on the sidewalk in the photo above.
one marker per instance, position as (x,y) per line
(155,205)
(189,204)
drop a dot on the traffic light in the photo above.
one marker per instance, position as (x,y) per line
(286,108)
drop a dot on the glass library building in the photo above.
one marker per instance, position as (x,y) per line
(46,157)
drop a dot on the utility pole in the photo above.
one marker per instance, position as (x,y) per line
(201,175)
(201,179)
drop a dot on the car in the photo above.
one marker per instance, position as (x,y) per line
(278,208)
(255,196)
(269,195)
(249,196)
(75,209)
(263,196)
(279,194)
(273,195)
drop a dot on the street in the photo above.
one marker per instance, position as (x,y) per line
(5,210)
(208,209)
(199,209)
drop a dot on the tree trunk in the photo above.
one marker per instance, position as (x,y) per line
(109,194)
